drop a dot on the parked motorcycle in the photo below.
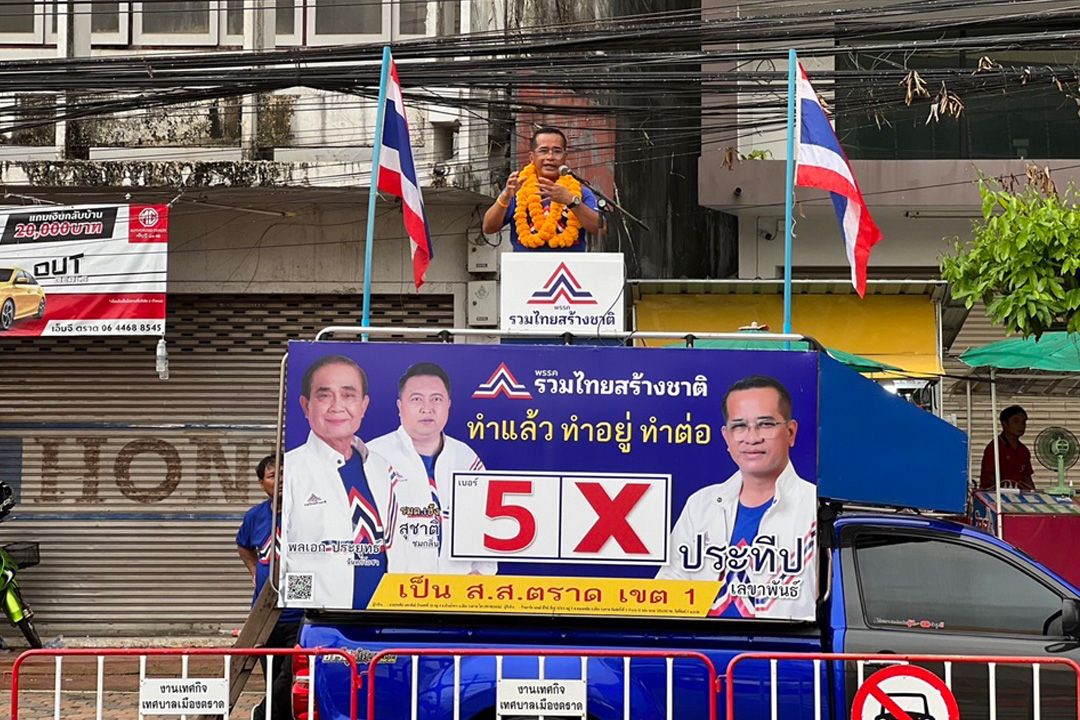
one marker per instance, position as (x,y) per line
(15,557)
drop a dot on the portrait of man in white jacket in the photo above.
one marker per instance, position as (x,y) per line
(341,500)
(421,450)
(755,532)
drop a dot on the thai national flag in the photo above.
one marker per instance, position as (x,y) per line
(397,176)
(820,163)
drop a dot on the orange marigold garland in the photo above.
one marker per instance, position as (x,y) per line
(536,226)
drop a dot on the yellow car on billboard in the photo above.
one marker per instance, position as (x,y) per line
(20,297)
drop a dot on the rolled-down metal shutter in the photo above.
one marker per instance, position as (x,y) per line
(135,486)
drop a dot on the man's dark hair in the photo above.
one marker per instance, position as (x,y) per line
(425,369)
(1010,412)
(260,470)
(755,382)
(547,130)
(305,384)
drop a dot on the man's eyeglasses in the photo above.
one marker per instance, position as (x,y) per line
(766,428)
(553,152)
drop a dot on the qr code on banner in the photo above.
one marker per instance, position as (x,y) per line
(299,587)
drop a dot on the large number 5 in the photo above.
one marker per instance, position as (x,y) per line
(498,508)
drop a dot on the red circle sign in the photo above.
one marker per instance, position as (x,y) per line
(904,692)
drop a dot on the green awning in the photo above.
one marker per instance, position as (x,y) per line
(855,362)
(1053,352)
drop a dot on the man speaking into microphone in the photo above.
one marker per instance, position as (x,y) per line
(547,210)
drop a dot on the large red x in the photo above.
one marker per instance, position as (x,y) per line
(611,518)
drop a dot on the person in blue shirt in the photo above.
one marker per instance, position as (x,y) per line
(255,545)
(566,209)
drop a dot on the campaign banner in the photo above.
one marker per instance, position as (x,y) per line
(83,270)
(580,293)
(550,480)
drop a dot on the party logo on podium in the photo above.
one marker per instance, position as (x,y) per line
(562,286)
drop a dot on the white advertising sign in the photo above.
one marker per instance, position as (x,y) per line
(580,293)
(83,270)
(555,698)
(183,696)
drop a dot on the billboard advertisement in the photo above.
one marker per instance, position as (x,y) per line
(83,270)
(550,480)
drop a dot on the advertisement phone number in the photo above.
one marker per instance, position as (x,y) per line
(137,327)
(106,327)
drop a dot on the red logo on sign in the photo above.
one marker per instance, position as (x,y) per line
(904,692)
(611,518)
(148,223)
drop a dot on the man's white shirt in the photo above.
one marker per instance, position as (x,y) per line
(455,456)
(708,519)
(316,510)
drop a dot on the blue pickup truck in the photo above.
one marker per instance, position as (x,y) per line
(899,583)
(896,580)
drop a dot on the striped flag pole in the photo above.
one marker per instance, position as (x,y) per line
(370,241)
(789,186)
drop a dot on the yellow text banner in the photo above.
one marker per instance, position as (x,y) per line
(544,595)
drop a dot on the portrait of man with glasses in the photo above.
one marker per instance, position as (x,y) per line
(756,531)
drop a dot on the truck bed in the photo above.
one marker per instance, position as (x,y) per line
(649,687)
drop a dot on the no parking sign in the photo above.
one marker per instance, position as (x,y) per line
(904,692)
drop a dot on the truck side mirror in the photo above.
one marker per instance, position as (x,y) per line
(1070,617)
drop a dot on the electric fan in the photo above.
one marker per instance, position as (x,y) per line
(1057,449)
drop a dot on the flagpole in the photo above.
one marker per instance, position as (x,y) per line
(789,186)
(380,113)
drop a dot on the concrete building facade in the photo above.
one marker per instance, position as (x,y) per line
(135,486)
(917,175)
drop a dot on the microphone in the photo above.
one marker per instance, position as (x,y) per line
(565,170)
(601,198)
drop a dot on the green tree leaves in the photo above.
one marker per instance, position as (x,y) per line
(1023,262)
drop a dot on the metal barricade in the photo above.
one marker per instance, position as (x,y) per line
(992,663)
(184,655)
(669,656)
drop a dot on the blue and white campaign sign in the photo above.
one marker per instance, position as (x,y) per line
(539,479)
(580,293)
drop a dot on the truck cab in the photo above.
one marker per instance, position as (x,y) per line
(913,585)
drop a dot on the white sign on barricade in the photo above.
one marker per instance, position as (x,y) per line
(568,292)
(179,696)
(562,698)
(166,694)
